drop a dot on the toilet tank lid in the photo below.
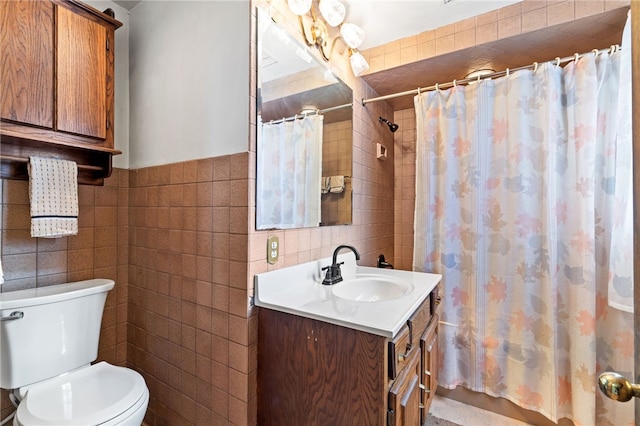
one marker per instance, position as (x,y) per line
(53,293)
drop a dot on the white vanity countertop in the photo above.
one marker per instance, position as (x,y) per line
(299,290)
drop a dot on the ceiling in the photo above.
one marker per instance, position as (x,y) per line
(385,21)
(388,20)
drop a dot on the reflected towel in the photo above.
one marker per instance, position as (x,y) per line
(325,182)
(336,184)
(53,193)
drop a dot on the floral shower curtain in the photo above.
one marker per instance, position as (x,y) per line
(289,172)
(521,192)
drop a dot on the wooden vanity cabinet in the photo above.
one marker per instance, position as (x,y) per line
(405,394)
(314,373)
(57,79)
(429,372)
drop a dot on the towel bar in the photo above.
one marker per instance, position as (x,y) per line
(26,160)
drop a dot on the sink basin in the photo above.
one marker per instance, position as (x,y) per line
(371,288)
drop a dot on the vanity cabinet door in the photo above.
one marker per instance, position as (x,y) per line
(429,370)
(404,395)
(26,62)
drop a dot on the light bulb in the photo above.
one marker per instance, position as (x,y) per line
(352,34)
(358,63)
(299,7)
(333,11)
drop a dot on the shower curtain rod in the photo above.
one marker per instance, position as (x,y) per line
(316,112)
(533,66)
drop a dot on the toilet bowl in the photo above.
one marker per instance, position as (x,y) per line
(48,339)
(101,394)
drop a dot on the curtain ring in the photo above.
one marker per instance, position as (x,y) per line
(478,77)
(437,87)
(535,66)
(596,52)
(455,83)
(508,72)
(612,49)
(576,57)
(557,61)
(419,90)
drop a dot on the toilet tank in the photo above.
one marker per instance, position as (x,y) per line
(47,331)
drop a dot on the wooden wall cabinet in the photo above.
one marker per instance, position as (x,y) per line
(315,373)
(57,80)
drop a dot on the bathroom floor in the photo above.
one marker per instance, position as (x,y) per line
(468,415)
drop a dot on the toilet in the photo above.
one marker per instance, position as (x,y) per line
(48,340)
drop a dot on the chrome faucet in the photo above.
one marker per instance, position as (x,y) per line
(334,275)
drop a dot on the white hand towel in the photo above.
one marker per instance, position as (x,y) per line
(53,193)
(337,184)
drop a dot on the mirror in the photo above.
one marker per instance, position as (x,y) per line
(305,131)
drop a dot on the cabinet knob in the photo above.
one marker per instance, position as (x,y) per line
(438,300)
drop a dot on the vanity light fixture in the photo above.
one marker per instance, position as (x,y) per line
(331,13)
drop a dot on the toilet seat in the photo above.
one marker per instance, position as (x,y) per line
(95,395)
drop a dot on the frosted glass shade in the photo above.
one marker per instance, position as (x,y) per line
(352,34)
(299,7)
(333,11)
(358,63)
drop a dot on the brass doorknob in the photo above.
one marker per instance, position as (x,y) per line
(617,387)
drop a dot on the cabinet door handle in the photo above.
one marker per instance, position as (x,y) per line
(403,357)
(424,388)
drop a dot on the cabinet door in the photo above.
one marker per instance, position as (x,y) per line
(26,62)
(404,395)
(429,371)
(81,75)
